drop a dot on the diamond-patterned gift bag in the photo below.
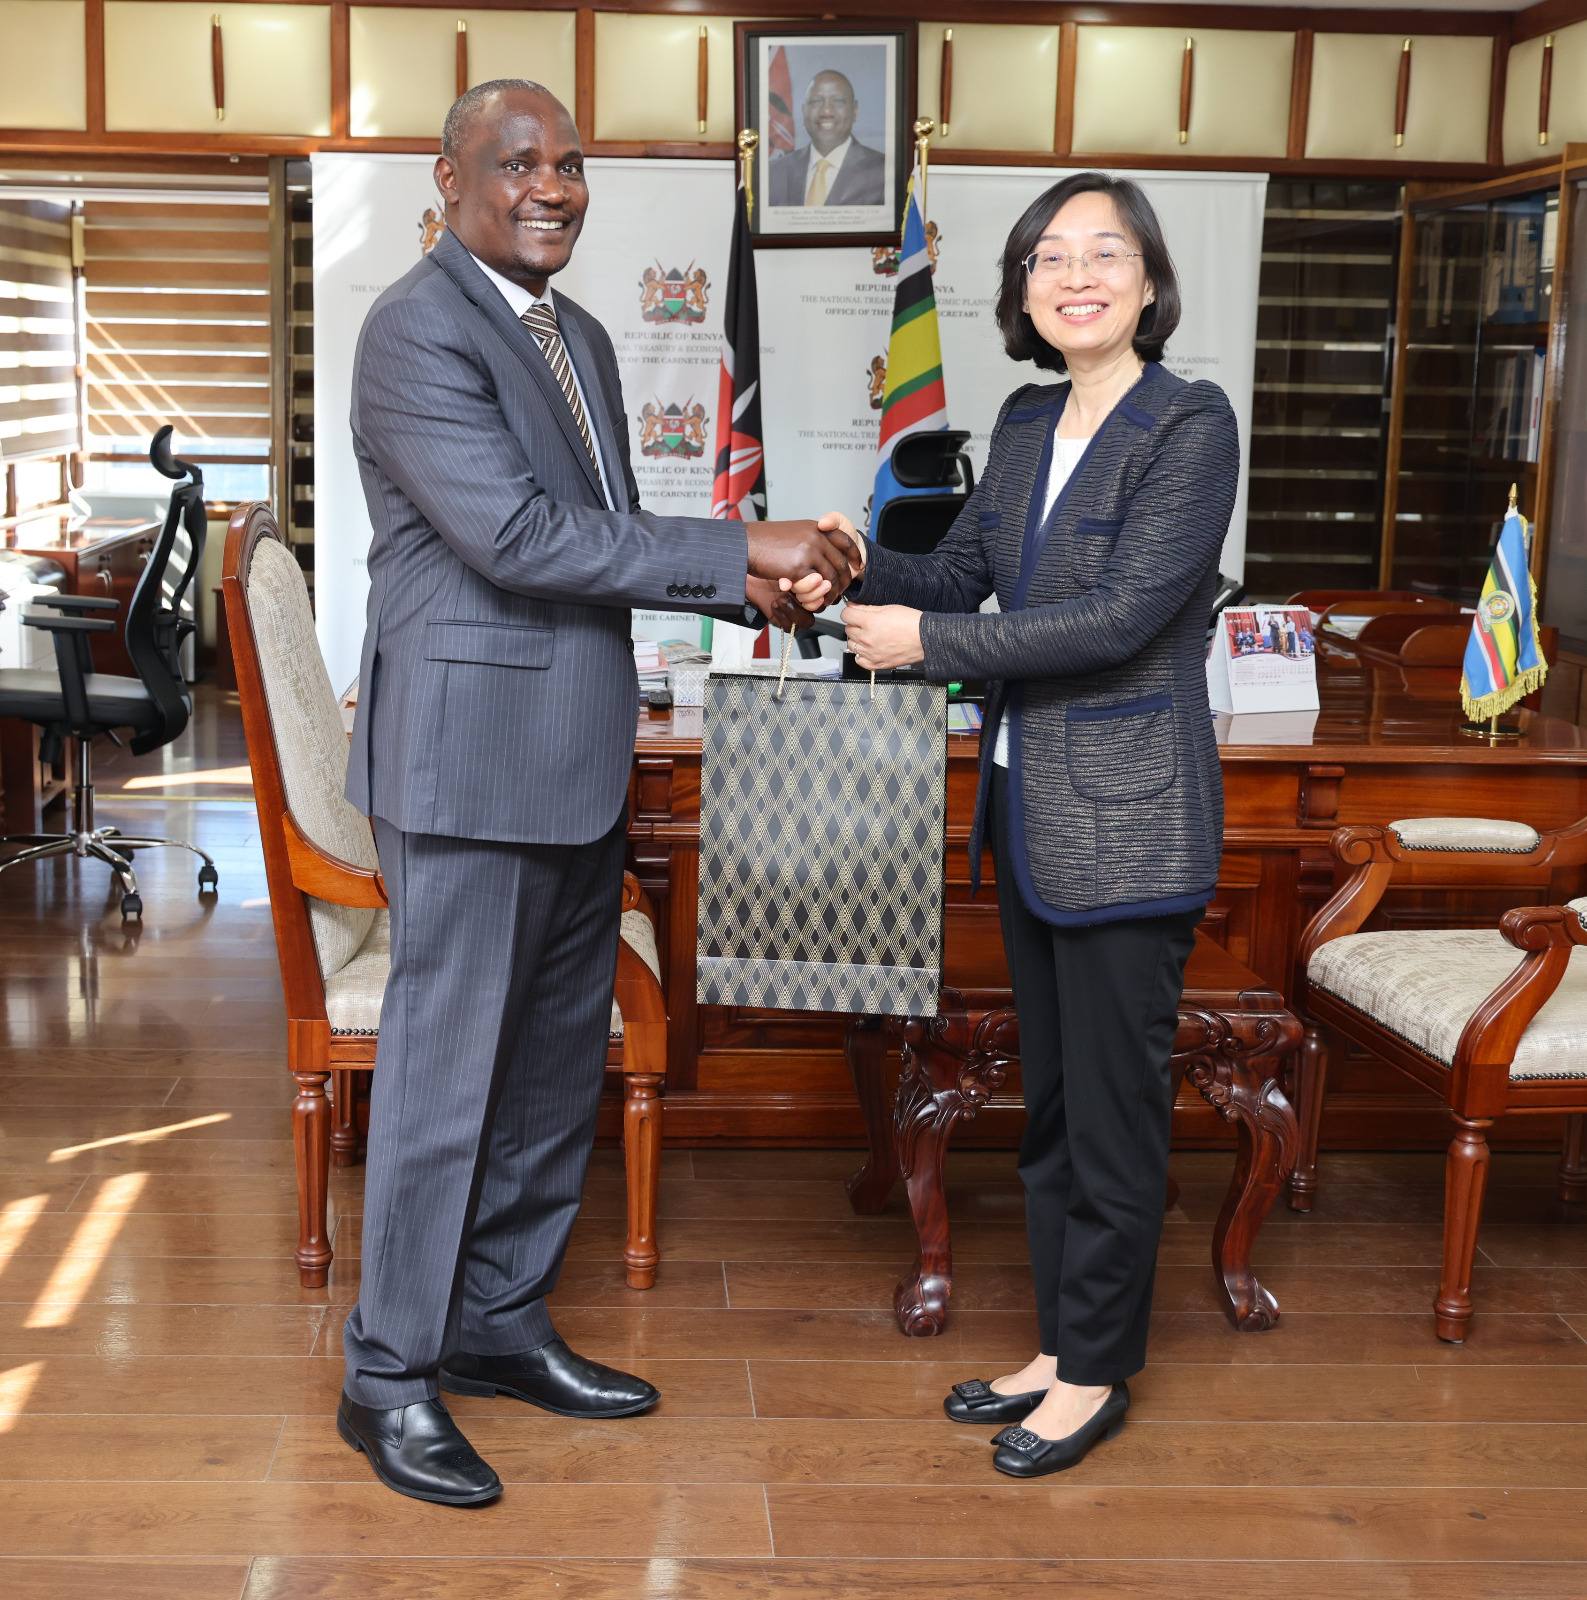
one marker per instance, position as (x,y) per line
(821,845)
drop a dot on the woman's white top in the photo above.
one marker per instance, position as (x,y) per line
(1065,458)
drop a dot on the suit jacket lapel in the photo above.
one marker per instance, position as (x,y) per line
(582,356)
(455,261)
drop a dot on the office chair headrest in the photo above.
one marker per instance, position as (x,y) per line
(929,460)
(167,464)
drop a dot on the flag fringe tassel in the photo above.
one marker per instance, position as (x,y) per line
(1485,707)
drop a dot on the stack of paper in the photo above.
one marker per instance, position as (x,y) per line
(651,664)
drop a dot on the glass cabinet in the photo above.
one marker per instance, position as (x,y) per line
(1472,384)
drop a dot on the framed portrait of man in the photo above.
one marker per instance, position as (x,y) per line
(832,103)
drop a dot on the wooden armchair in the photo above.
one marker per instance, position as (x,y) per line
(1492,1020)
(328,902)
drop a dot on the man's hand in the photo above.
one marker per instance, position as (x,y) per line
(798,550)
(778,605)
(884,637)
(811,592)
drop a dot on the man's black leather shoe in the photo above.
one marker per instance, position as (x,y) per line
(419,1451)
(978,1401)
(553,1378)
(1023,1454)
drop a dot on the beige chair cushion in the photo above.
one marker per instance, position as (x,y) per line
(640,933)
(1424,986)
(1464,833)
(353,994)
(311,745)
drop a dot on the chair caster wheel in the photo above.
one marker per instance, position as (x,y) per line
(208,878)
(132,906)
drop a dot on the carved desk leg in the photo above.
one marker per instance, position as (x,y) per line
(1236,1063)
(944,1080)
(865,1045)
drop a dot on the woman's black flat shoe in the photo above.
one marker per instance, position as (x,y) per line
(1023,1454)
(977,1401)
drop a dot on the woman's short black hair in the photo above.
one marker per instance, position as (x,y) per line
(1157,321)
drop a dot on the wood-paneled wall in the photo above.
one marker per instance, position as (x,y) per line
(1282,89)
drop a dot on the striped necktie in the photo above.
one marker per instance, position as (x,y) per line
(541,321)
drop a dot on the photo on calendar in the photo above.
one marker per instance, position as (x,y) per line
(1274,631)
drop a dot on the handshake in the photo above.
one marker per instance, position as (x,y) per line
(796,568)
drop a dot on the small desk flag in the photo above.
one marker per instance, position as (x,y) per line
(914,399)
(1504,662)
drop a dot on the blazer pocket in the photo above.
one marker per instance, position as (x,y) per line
(1122,752)
(491,644)
(1091,549)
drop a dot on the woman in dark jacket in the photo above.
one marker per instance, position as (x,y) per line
(1097,524)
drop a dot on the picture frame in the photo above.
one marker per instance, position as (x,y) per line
(816,89)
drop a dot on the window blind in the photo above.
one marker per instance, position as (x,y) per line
(178,326)
(38,342)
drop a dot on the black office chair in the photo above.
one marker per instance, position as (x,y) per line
(81,703)
(935,461)
(915,523)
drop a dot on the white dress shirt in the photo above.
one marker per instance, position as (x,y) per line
(1066,456)
(519,299)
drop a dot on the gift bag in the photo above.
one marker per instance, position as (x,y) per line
(821,844)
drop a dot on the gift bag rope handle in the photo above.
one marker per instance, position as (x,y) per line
(782,671)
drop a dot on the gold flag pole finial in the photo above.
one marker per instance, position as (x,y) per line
(924,128)
(1515,496)
(748,143)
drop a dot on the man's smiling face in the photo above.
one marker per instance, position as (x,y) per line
(515,190)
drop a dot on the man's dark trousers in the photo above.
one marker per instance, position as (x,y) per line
(487,1080)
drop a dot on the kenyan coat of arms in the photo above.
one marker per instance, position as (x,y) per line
(675,432)
(668,295)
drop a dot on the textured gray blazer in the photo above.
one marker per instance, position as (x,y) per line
(1116,795)
(497,694)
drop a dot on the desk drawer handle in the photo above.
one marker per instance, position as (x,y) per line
(105,580)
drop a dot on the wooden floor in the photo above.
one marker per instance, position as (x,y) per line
(166,1389)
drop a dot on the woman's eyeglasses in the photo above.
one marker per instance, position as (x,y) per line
(1105,263)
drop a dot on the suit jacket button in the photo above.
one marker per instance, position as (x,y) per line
(698,591)
(710,591)
(672,591)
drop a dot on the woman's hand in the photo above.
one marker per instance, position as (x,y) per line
(811,592)
(781,608)
(836,522)
(884,637)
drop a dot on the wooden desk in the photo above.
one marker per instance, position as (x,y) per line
(1382,747)
(102,557)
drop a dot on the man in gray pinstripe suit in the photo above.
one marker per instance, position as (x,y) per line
(492,748)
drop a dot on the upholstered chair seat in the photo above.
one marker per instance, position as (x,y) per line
(353,994)
(1425,986)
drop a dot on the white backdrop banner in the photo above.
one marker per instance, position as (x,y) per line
(652,266)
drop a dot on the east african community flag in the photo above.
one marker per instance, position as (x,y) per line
(914,399)
(1503,660)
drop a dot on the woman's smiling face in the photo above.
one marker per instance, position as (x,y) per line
(1088,310)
